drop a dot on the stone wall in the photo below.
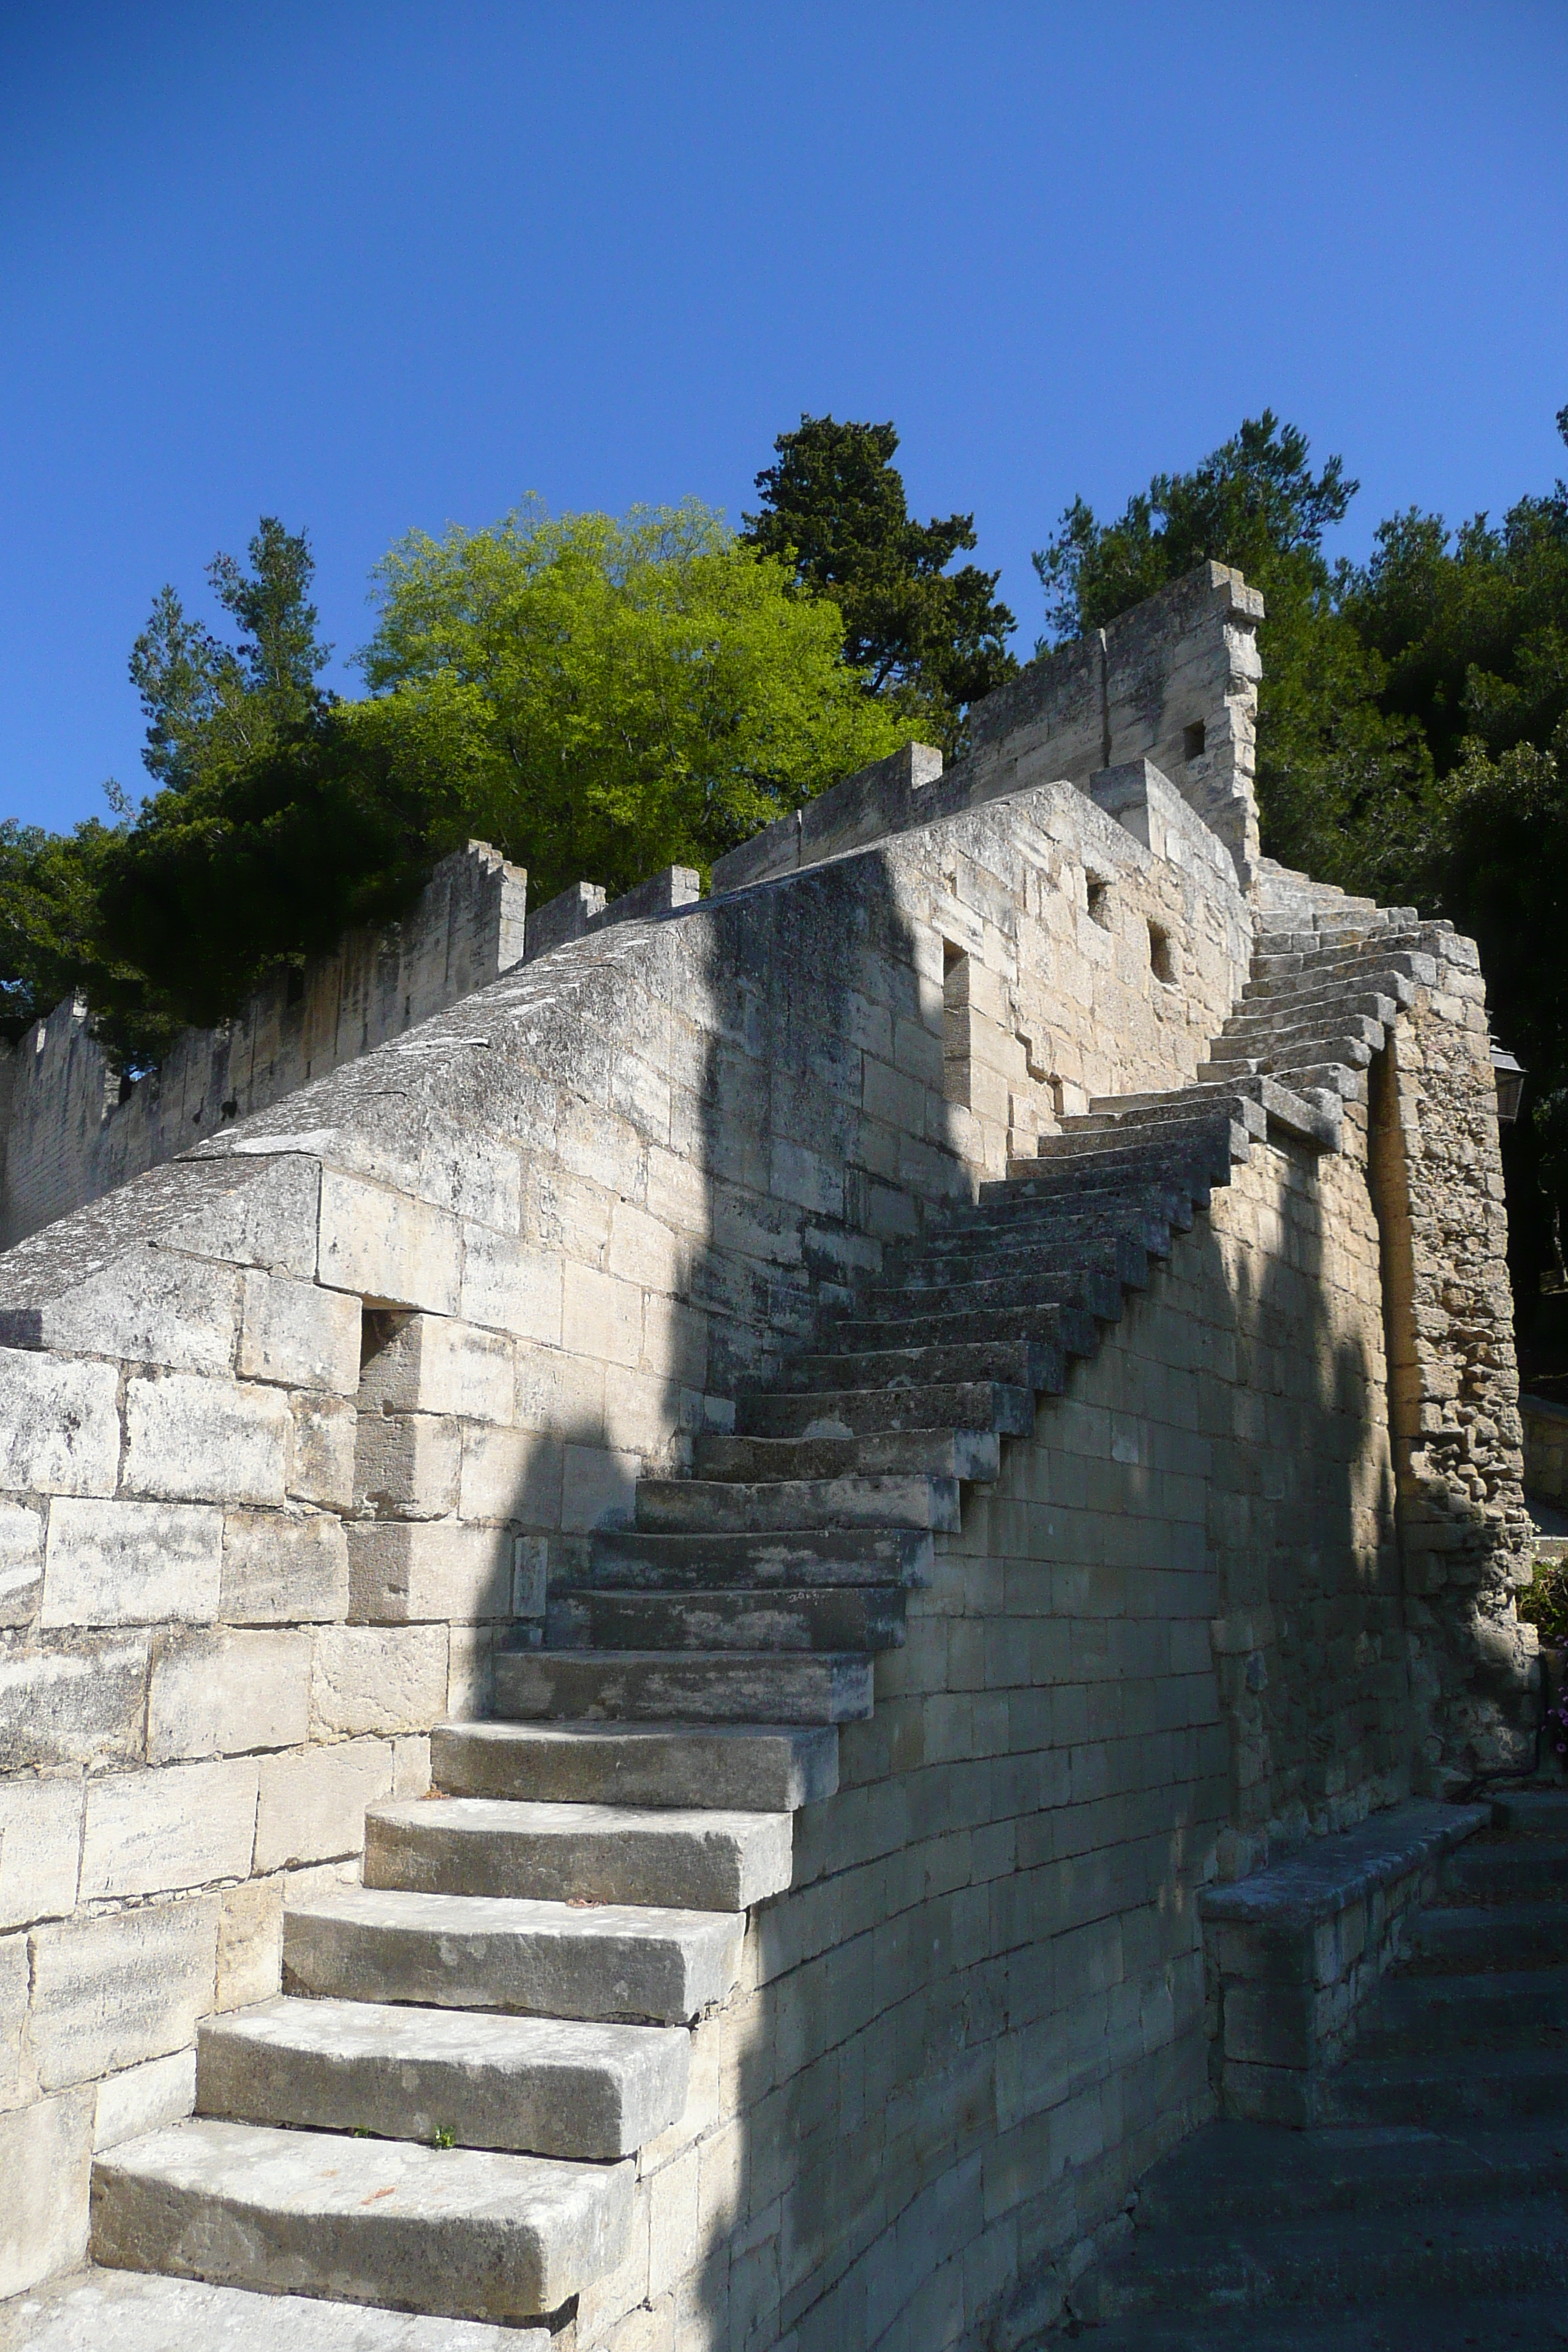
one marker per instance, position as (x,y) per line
(71,1131)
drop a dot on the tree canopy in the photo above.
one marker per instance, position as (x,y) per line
(929,641)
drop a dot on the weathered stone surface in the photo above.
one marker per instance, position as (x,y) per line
(406,1465)
(321,1459)
(458,2230)
(115,1563)
(21,1563)
(298,1334)
(41,1847)
(312,1803)
(530,2083)
(604,1961)
(205,1441)
(144,2098)
(385,1249)
(129,2311)
(741,1766)
(112,1990)
(435,1363)
(220,1692)
(283,1568)
(707,1861)
(45,2154)
(15,2070)
(82,1700)
(399,1574)
(249,1941)
(374,1678)
(59,1424)
(149,1832)
(152,1306)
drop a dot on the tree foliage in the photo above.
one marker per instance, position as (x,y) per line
(929,641)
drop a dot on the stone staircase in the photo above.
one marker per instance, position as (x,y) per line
(1427,2208)
(444,2110)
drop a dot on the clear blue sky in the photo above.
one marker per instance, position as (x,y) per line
(370,267)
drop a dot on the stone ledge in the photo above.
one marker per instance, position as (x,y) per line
(1294,1954)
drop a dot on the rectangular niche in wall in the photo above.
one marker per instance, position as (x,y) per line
(955,1057)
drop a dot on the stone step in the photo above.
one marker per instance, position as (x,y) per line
(137,2311)
(743,1768)
(1357,1002)
(1096,1138)
(1427,2013)
(1228,2173)
(609,1962)
(1070,1328)
(1533,1812)
(1332,2261)
(682,1685)
(459,2231)
(804,1617)
(1447,2086)
(1472,1935)
(1196,1162)
(1146,1218)
(1017,1363)
(1529,1871)
(546,2086)
(1440,2323)
(715,1506)
(952,1404)
(1098,1295)
(932,1453)
(627,1558)
(1070,1275)
(1149,1184)
(693,1860)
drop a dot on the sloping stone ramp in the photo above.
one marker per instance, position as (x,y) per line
(443,2113)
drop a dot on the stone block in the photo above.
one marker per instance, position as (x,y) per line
(511,1286)
(598,1489)
(21,1563)
(15,2070)
(151,1307)
(142,2098)
(117,1563)
(435,1364)
(386,1248)
(299,1335)
(249,1942)
(81,1701)
(400,1574)
(59,1424)
(510,1474)
(321,1457)
(601,1316)
(40,1848)
(406,1465)
(313,1803)
(204,1441)
(152,1833)
(557,1394)
(122,1986)
(219,1694)
(283,1568)
(45,2159)
(377,1678)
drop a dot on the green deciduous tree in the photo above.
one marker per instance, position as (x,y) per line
(928,640)
(615,696)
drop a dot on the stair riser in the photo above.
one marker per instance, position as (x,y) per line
(675,1867)
(577,2109)
(748,1563)
(769,1772)
(1098,1295)
(1507,2019)
(932,1452)
(396,2253)
(1015,1362)
(1450,1944)
(1508,1874)
(639,1974)
(1066,1331)
(544,1686)
(1144,1219)
(1100,1260)
(866,1619)
(693,1506)
(972,1404)
(1448,2097)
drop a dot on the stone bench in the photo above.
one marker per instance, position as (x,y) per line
(1294,1953)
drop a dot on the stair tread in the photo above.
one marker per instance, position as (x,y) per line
(465,2231)
(748,1766)
(1440,2323)
(707,1860)
(143,2311)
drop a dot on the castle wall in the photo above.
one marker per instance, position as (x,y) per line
(293,1429)
(70,1133)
